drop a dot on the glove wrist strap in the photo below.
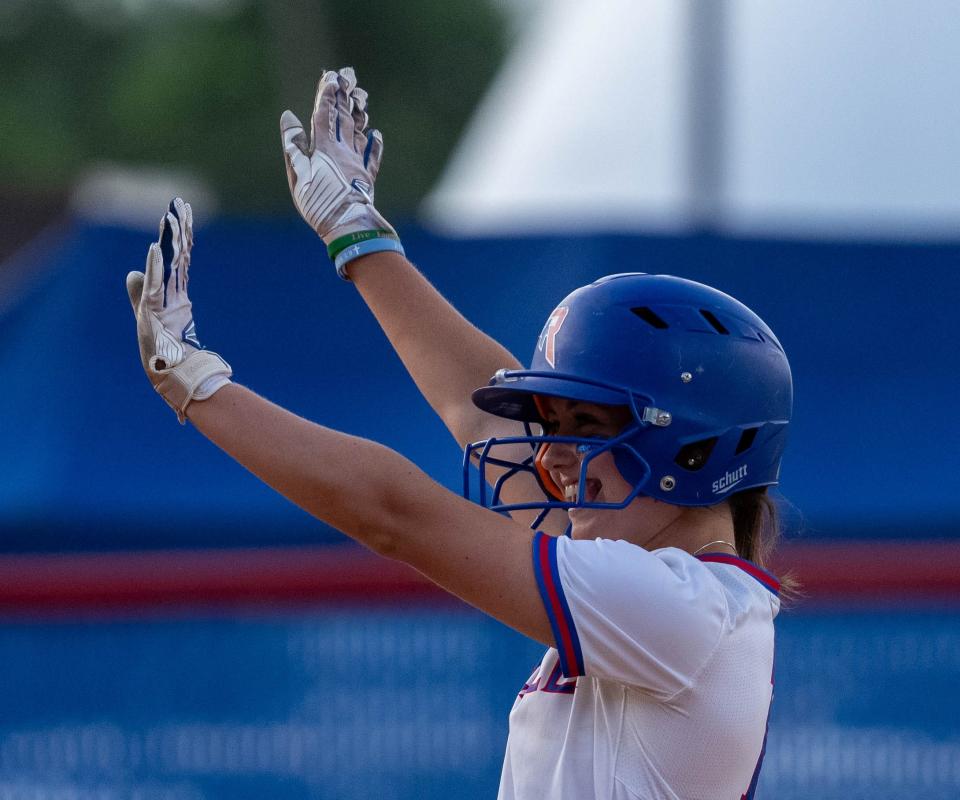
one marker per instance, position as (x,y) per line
(195,378)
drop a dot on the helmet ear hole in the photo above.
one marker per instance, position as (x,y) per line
(693,456)
(746,440)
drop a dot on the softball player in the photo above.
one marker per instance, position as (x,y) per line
(648,427)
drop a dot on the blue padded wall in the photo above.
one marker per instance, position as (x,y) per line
(411,704)
(90,453)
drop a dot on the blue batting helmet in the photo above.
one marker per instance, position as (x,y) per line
(706,380)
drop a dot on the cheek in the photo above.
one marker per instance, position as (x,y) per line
(604,469)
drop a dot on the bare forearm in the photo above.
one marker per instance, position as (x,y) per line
(448,358)
(382,500)
(338,478)
(446,355)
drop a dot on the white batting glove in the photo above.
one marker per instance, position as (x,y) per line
(331,176)
(172,356)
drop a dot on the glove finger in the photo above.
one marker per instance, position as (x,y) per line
(373,153)
(324,120)
(361,119)
(135,289)
(184,241)
(358,107)
(135,281)
(292,133)
(171,273)
(152,292)
(347,78)
(187,221)
(179,209)
(296,155)
(346,83)
(166,254)
(176,210)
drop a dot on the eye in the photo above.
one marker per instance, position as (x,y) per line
(589,425)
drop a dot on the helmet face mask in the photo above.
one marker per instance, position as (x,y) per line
(483,454)
(706,381)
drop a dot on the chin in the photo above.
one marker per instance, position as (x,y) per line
(592,524)
(588,523)
(580,525)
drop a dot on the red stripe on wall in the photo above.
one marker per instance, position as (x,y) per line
(165,580)
(873,570)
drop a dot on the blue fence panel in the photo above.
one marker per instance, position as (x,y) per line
(868,329)
(866,706)
(342,704)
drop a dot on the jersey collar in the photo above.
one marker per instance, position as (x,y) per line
(761,575)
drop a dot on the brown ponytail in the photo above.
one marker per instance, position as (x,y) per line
(756,530)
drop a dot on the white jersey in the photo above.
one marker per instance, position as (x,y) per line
(660,683)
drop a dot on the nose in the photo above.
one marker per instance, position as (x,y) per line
(557,455)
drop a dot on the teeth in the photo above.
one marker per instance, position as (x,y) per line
(570,493)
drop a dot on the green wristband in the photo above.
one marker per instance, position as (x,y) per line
(343,242)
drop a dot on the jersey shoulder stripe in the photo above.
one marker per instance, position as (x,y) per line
(761,575)
(555,603)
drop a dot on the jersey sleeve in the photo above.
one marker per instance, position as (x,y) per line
(648,619)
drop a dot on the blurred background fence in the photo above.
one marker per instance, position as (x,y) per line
(172,629)
(412,703)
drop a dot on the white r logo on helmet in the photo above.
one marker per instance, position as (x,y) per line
(548,336)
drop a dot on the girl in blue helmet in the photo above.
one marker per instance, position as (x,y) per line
(648,427)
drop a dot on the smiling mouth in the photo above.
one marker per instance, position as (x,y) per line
(591,491)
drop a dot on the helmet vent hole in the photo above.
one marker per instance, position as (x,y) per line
(716,324)
(694,456)
(746,440)
(649,316)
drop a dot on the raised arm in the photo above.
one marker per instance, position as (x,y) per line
(364,489)
(332,177)
(444,353)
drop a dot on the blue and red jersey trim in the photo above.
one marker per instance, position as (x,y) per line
(555,602)
(761,575)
